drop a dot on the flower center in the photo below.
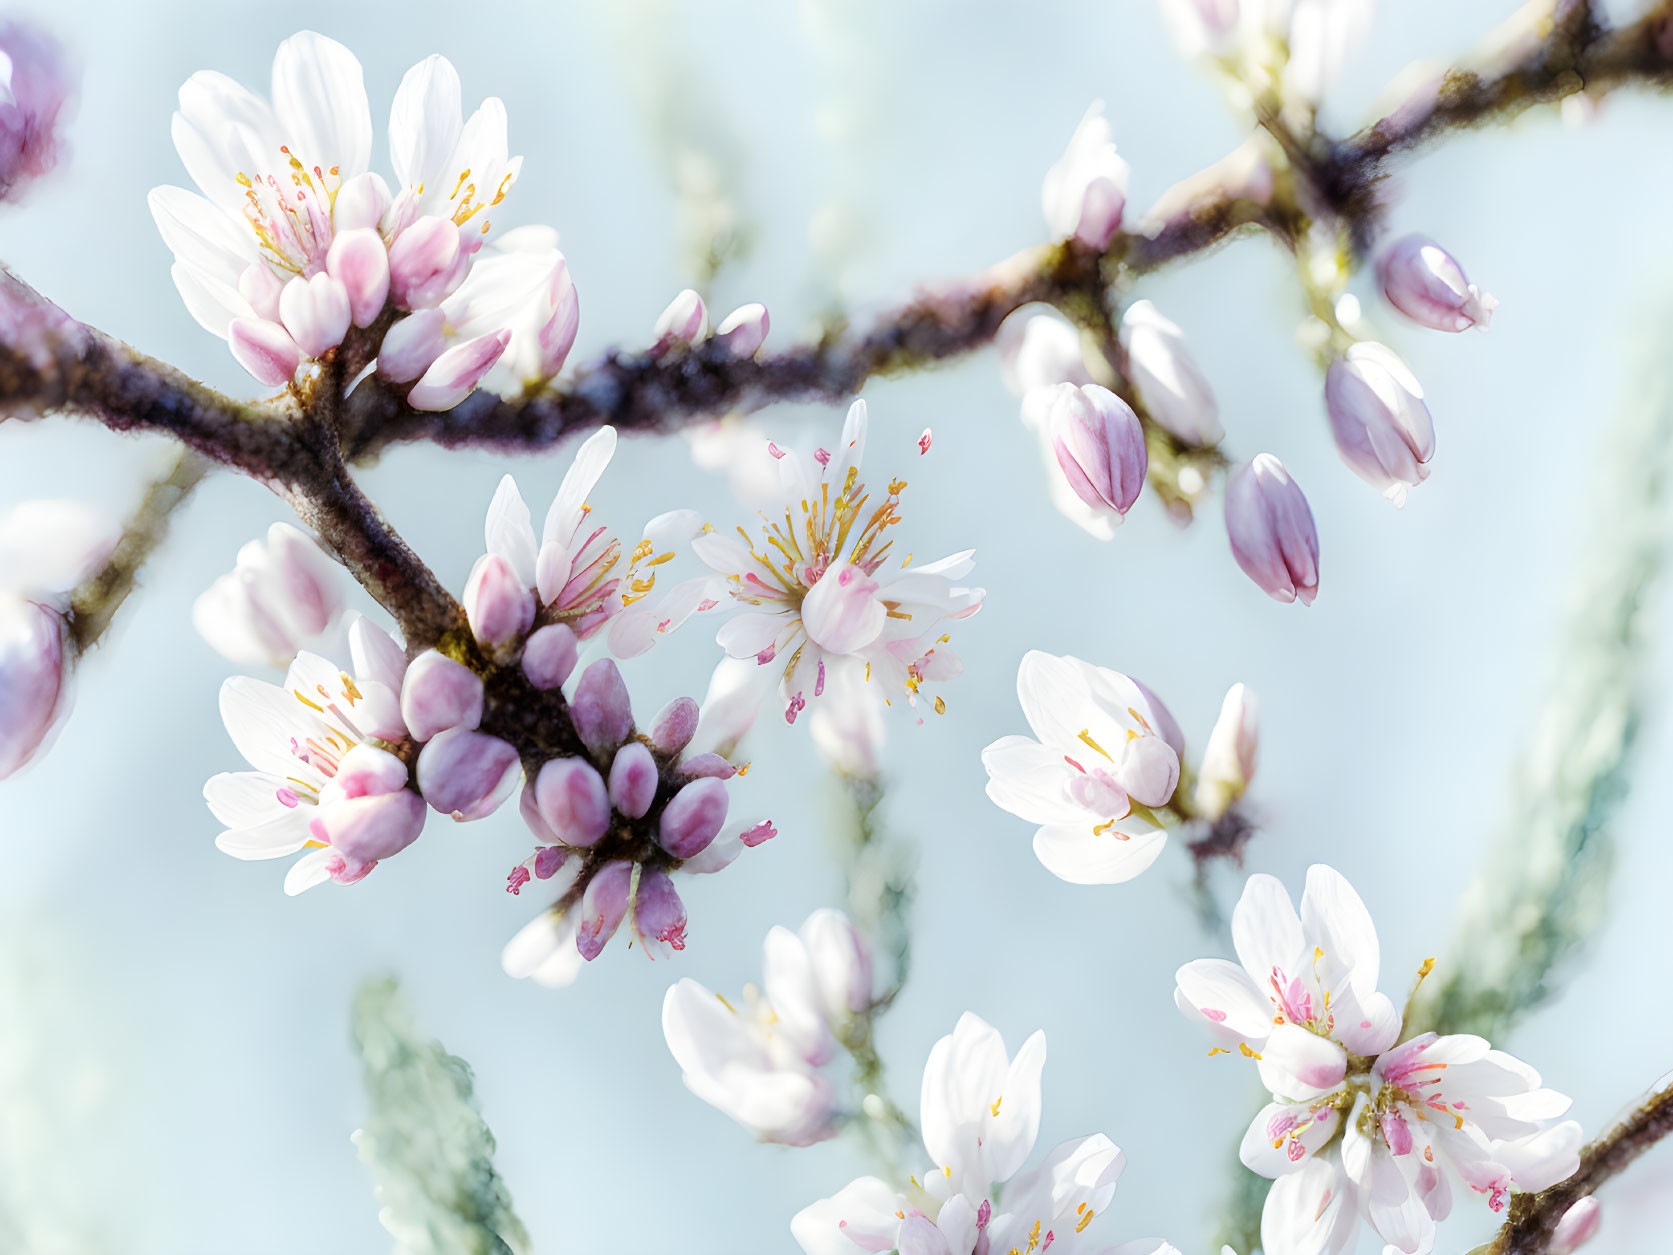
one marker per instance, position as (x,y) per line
(291,214)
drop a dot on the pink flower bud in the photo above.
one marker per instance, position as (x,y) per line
(411,345)
(603,906)
(601,708)
(570,797)
(549,656)
(693,818)
(499,606)
(280,598)
(674,725)
(842,965)
(36,83)
(841,612)
(633,779)
(466,774)
(439,693)
(744,330)
(258,285)
(658,914)
(1577,1226)
(265,349)
(1099,446)
(363,831)
(1382,427)
(1084,194)
(1229,758)
(712,766)
(1426,284)
(360,262)
(360,204)
(426,263)
(685,321)
(315,312)
(1161,718)
(1271,530)
(31,679)
(1170,385)
(454,375)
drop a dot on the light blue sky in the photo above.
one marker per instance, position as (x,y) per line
(182,1026)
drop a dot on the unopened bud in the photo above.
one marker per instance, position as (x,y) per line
(693,818)
(674,725)
(439,693)
(842,965)
(572,802)
(744,330)
(360,204)
(685,321)
(633,779)
(1426,284)
(498,605)
(658,913)
(549,656)
(31,679)
(1084,194)
(37,82)
(359,260)
(1577,1226)
(426,263)
(1099,446)
(601,708)
(1229,758)
(467,774)
(316,313)
(1170,384)
(603,906)
(1382,427)
(1270,526)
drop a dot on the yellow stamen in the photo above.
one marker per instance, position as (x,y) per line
(1086,735)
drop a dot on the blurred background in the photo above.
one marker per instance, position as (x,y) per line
(175,1067)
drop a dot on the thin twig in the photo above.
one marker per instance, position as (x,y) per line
(1534,1217)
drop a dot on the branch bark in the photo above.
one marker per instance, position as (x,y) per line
(1534,1217)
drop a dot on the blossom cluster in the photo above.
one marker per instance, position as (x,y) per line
(1361,1123)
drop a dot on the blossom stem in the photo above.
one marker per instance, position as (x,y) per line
(96,600)
(1534,1217)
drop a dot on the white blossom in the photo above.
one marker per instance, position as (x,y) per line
(281,597)
(1100,759)
(817,589)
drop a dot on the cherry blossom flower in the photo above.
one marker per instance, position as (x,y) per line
(1357,1122)
(980,1113)
(327,775)
(761,1065)
(574,574)
(1306,994)
(295,239)
(281,597)
(1441,1109)
(1103,759)
(816,589)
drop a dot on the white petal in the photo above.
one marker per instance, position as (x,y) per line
(244,799)
(1335,920)
(1076,854)
(1266,931)
(1221,993)
(425,121)
(319,96)
(222,130)
(510,530)
(262,720)
(308,871)
(591,458)
(377,658)
(1297,1064)
(284,834)
(212,303)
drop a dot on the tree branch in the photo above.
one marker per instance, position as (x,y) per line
(95,602)
(1534,1217)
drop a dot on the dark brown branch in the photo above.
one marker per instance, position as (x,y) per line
(1534,1217)
(95,603)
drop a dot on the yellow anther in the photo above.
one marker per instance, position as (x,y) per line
(306,702)
(1244,1049)
(994,1105)
(726,1004)
(1218,1050)
(463,175)
(1085,1220)
(1086,735)
(1099,830)
(947,1170)
(940,705)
